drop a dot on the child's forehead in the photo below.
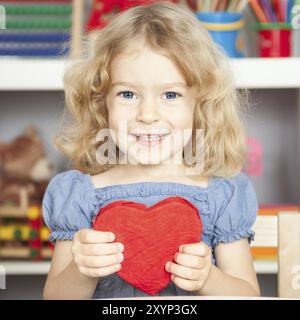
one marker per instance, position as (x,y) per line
(135,52)
(148,69)
(144,63)
(143,59)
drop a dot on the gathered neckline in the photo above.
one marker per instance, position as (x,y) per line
(146,184)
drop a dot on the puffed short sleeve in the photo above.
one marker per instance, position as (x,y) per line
(237,212)
(66,205)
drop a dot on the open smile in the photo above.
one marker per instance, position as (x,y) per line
(150,139)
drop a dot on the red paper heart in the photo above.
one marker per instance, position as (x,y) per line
(151,237)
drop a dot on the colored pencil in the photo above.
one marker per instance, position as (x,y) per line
(289,10)
(268,10)
(242,5)
(232,5)
(206,5)
(199,5)
(222,5)
(284,4)
(257,9)
(214,5)
(278,10)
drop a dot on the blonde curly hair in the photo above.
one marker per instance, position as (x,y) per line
(172,28)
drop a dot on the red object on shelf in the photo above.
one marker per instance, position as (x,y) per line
(255,158)
(274,43)
(151,237)
(35,222)
(103,10)
(20,1)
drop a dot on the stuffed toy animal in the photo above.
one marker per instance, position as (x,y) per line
(23,166)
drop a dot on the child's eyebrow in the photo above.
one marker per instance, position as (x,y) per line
(172,84)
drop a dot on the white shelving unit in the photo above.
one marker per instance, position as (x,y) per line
(31,74)
(266,267)
(25,267)
(47,74)
(272,73)
(39,268)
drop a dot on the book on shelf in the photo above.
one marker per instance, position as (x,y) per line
(265,244)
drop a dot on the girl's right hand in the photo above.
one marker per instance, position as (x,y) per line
(95,253)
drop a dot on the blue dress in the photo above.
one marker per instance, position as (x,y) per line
(228,208)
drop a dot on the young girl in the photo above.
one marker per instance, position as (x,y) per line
(155,68)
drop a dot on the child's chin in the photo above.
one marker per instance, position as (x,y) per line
(147,159)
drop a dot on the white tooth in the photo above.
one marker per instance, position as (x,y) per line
(149,138)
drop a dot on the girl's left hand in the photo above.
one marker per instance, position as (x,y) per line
(192,267)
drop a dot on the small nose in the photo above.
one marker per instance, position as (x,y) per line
(148,111)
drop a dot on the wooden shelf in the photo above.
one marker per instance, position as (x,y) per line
(47,74)
(42,268)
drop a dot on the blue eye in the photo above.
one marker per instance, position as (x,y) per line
(172,95)
(126,94)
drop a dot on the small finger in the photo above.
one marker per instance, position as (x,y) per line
(94,236)
(97,249)
(99,262)
(188,285)
(198,249)
(189,260)
(182,271)
(100,272)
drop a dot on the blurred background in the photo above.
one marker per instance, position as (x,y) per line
(39,39)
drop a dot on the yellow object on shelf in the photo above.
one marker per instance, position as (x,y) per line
(44,234)
(17,232)
(33,212)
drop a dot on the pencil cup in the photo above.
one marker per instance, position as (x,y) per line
(224,28)
(274,39)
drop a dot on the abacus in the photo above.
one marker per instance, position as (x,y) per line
(42,28)
(23,234)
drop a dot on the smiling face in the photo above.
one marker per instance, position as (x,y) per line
(150,96)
